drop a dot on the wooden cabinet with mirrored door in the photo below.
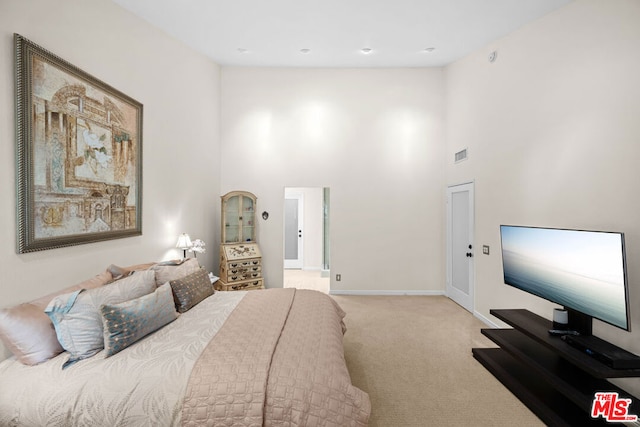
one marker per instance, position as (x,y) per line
(240,257)
(238,217)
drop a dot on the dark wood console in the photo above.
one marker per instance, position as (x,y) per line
(556,381)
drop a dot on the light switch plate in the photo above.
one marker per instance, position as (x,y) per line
(485,249)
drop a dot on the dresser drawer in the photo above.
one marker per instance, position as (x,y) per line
(252,263)
(244,270)
(244,275)
(248,285)
(229,274)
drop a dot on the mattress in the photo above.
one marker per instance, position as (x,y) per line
(270,357)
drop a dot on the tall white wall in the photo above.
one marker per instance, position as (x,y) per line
(553,133)
(374,137)
(179,89)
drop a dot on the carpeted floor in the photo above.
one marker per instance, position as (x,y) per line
(412,354)
(306,279)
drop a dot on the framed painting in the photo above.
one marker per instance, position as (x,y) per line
(78,156)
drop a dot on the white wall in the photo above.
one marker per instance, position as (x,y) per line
(553,133)
(180,93)
(374,137)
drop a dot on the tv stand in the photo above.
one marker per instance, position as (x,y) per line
(605,352)
(555,380)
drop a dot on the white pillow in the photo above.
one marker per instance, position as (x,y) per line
(77,319)
(167,271)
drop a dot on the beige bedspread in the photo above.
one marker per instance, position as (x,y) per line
(277,361)
(268,357)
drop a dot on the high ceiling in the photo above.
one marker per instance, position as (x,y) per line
(333,33)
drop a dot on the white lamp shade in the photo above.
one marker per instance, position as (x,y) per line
(184,241)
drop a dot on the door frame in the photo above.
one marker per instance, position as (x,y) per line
(299,262)
(465,300)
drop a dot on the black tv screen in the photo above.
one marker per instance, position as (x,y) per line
(582,270)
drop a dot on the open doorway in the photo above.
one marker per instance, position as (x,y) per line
(306,238)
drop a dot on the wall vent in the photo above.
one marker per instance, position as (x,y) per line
(461,155)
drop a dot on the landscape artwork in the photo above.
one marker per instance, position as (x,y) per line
(79,146)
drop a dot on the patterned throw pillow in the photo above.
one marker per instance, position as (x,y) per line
(192,289)
(128,322)
(76,316)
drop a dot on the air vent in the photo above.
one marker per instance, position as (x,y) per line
(461,155)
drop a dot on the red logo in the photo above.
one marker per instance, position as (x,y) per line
(611,407)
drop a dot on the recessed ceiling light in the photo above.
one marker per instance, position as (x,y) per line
(243,50)
(429,49)
(366,50)
(305,50)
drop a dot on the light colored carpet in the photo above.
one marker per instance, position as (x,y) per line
(305,279)
(412,354)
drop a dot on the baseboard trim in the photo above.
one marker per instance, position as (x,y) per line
(486,320)
(379,292)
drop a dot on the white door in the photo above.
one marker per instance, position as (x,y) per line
(460,249)
(293,202)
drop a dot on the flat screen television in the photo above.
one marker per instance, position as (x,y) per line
(584,271)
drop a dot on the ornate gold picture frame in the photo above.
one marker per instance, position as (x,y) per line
(78,154)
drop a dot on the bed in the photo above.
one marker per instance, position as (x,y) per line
(271,357)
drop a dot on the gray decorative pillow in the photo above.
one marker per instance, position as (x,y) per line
(171,271)
(192,289)
(129,321)
(76,316)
